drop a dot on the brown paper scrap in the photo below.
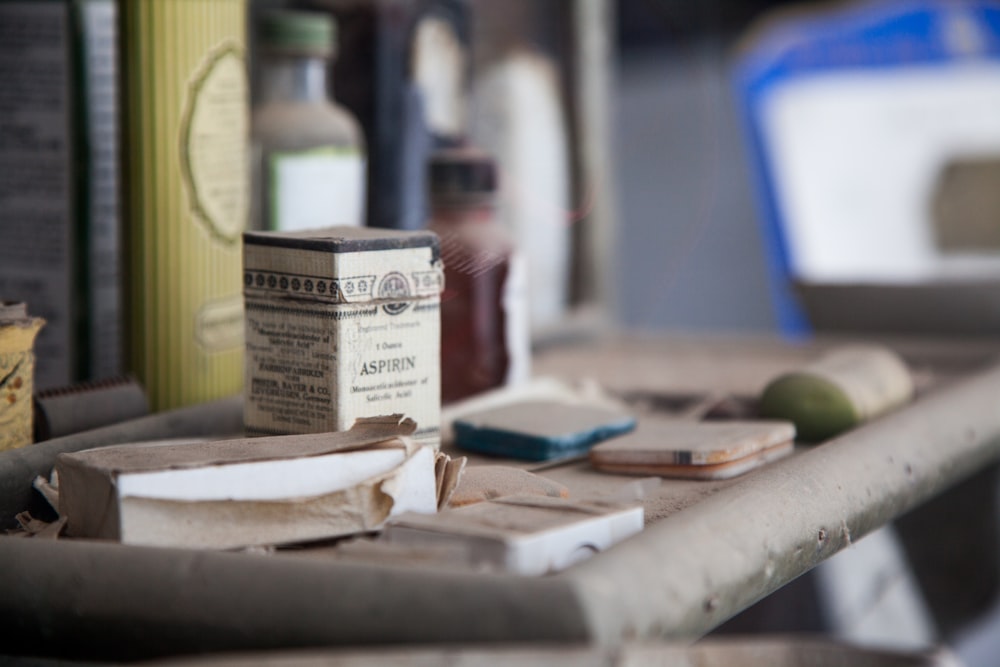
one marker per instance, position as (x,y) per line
(49,489)
(449,473)
(488,482)
(32,527)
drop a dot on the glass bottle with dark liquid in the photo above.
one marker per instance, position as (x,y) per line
(481,274)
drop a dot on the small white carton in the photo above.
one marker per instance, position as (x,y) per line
(528,535)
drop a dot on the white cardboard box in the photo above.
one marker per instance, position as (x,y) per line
(256,491)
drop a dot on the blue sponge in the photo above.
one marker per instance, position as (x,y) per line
(539,430)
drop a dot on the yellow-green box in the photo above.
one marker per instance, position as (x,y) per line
(186,180)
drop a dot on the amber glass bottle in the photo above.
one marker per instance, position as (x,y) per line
(481,312)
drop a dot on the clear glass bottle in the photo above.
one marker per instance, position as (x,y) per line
(309,154)
(484,327)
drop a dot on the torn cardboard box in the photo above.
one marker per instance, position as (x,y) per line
(236,493)
(528,535)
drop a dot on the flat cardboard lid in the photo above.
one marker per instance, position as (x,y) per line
(508,518)
(139,457)
(546,419)
(676,441)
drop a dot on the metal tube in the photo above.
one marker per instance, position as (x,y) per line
(107,601)
(19,467)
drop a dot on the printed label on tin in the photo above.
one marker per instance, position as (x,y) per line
(215,144)
(218,324)
(291,353)
(317,361)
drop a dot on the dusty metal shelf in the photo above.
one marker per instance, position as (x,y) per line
(685,574)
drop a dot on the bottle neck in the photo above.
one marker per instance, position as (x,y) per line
(300,79)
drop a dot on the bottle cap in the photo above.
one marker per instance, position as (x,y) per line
(298,33)
(462,172)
